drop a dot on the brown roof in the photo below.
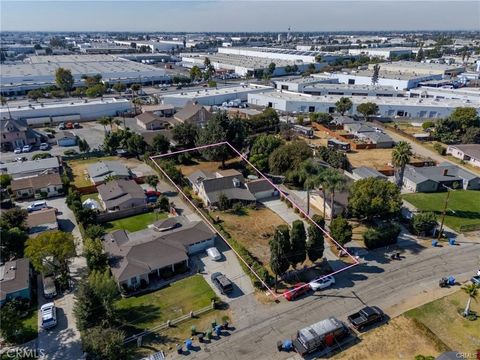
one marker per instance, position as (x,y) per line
(189,110)
(148,136)
(14,276)
(157,107)
(36,182)
(46,216)
(148,117)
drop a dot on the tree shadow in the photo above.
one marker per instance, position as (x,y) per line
(138,314)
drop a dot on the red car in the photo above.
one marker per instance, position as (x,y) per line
(297,291)
(150,193)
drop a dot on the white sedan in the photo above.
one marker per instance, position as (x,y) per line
(322,283)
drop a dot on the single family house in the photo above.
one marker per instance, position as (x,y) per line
(121,194)
(15,280)
(40,221)
(102,170)
(142,256)
(470,153)
(39,186)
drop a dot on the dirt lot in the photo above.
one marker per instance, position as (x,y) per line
(376,158)
(253,230)
(321,138)
(79,168)
(402,338)
(210,166)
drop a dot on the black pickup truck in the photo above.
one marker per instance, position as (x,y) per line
(367,316)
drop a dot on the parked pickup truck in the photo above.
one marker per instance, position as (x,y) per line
(367,316)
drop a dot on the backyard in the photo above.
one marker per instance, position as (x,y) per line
(134,223)
(137,313)
(443,319)
(463,206)
(253,229)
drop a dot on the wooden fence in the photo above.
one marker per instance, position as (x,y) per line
(109,216)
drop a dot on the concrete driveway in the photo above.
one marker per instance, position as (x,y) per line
(63,341)
(282,210)
(229,266)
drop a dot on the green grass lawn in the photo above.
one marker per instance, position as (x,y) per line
(31,323)
(134,223)
(181,297)
(463,206)
(442,318)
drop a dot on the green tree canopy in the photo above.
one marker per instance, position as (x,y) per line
(423,223)
(343,105)
(288,157)
(215,131)
(341,230)
(401,155)
(185,134)
(64,79)
(279,250)
(374,198)
(104,343)
(161,144)
(14,218)
(261,149)
(93,252)
(298,238)
(367,109)
(315,239)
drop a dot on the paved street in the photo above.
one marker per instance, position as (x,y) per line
(393,286)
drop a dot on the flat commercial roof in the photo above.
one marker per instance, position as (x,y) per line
(63,104)
(353,87)
(251,62)
(386,74)
(379,100)
(221,91)
(286,51)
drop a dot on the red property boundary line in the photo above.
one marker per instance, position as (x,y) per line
(356,262)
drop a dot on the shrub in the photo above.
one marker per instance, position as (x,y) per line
(95,231)
(439,148)
(41,156)
(423,223)
(383,235)
(427,125)
(69,152)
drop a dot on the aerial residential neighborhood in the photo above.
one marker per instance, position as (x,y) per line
(239,180)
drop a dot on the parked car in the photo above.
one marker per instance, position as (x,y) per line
(322,283)
(214,254)
(476,280)
(367,316)
(150,193)
(298,290)
(61,126)
(21,158)
(37,205)
(27,148)
(17,150)
(44,146)
(222,283)
(49,288)
(76,125)
(49,315)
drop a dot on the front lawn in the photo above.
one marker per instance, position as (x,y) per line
(134,223)
(31,325)
(443,319)
(137,313)
(463,206)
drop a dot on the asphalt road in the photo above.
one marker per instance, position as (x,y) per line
(389,285)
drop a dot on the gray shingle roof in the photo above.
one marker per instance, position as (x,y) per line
(367,172)
(21,167)
(100,170)
(444,172)
(116,192)
(14,276)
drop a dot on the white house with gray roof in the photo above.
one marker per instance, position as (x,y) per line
(439,178)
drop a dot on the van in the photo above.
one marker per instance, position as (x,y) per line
(37,205)
(214,254)
(48,313)
(49,288)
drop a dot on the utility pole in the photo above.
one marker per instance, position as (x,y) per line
(443,213)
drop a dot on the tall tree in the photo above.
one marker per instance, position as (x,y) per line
(93,252)
(420,55)
(279,249)
(215,131)
(298,238)
(88,308)
(343,105)
(401,155)
(161,144)
(14,218)
(12,327)
(195,73)
(334,181)
(153,181)
(374,198)
(367,109)
(185,134)
(136,145)
(236,132)
(315,242)
(83,145)
(341,230)
(104,343)
(375,74)
(105,121)
(106,289)
(51,250)
(64,79)
(261,149)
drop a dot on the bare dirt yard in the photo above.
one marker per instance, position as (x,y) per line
(321,138)
(401,338)
(375,158)
(253,229)
(210,166)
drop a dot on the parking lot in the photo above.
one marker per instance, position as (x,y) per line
(91,131)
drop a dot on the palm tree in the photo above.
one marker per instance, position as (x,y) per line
(104,120)
(400,158)
(472,291)
(334,182)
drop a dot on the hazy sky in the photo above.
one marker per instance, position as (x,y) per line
(75,15)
